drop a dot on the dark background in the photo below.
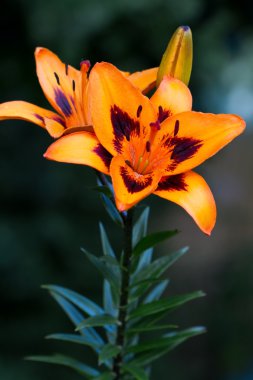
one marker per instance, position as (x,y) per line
(48,210)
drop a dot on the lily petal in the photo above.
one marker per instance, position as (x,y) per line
(80,148)
(118,109)
(144,80)
(193,137)
(62,85)
(34,114)
(190,191)
(172,96)
(129,186)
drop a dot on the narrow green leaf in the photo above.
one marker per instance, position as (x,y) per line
(156,292)
(86,305)
(81,368)
(104,190)
(112,210)
(74,338)
(98,320)
(148,352)
(108,351)
(151,240)
(146,277)
(164,304)
(107,248)
(105,376)
(137,372)
(106,270)
(141,261)
(140,226)
(135,330)
(76,317)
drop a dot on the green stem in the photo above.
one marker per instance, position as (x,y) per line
(126,262)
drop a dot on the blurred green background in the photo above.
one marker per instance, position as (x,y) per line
(48,210)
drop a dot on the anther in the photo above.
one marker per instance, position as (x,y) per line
(66,68)
(139,109)
(86,63)
(73,85)
(156,125)
(128,163)
(148,146)
(57,78)
(176,128)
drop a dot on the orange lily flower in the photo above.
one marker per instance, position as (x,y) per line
(67,91)
(152,144)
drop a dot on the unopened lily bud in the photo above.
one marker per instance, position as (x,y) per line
(177,59)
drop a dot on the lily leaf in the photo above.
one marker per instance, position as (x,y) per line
(140,226)
(112,210)
(138,330)
(86,305)
(104,376)
(107,248)
(106,270)
(153,350)
(75,338)
(137,372)
(76,317)
(156,292)
(108,351)
(151,240)
(98,320)
(81,368)
(164,304)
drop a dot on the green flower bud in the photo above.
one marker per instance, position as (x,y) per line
(177,59)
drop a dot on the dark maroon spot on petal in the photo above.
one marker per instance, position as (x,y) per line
(184,148)
(62,102)
(60,121)
(163,114)
(66,69)
(57,78)
(148,146)
(139,109)
(155,125)
(73,85)
(105,156)
(132,184)
(176,128)
(173,183)
(123,127)
(39,118)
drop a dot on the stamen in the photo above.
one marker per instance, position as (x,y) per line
(128,163)
(176,128)
(57,78)
(156,125)
(148,146)
(145,166)
(73,85)
(66,68)
(139,109)
(86,63)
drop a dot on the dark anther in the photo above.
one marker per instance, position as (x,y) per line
(156,125)
(73,85)
(128,163)
(148,146)
(66,68)
(176,128)
(139,109)
(57,78)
